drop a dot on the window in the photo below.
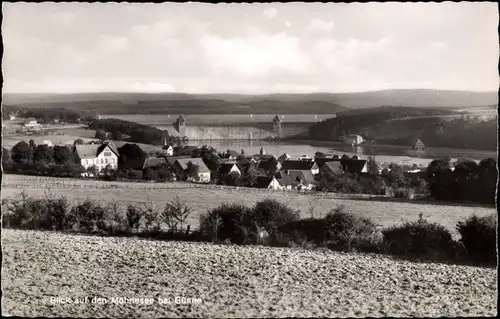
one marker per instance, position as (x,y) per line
(84,162)
(102,160)
(112,161)
(107,153)
(106,160)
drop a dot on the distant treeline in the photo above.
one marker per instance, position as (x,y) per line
(198,106)
(402,125)
(137,133)
(47,115)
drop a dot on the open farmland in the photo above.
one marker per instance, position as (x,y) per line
(9,141)
(227,281)
(201,198)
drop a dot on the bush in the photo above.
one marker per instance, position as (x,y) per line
(133,216)
(419,239)
(269,214)
(300,232)
(478,236)
(24,212)
(87,217)
(175,214)
(404,192)
(229,222)
(348,232)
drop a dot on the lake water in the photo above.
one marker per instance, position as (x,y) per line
(382,154)
(155,119)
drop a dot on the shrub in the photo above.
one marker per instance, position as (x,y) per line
(419,239)
(151,215)
(404,192)
(176,213)
(270,214)
(57,210)
(116,222)
(133,218)
(229,222)
(87,217)
(478,236)
(24,212)
(348,232)
(302,231)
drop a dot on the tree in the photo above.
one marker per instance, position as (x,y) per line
(43,153)
(78,142)
(439,179)
(192,170)
(21,153)
(252,175)
(62,154)
(372,166)
(6,160)
(100,135)
(32,144)
(233,179)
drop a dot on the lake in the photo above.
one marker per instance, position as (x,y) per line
(155,119)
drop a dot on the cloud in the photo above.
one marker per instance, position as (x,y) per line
(270,13)
(320,25)
(63,17)
(254,56)
(112,44)
(288,24)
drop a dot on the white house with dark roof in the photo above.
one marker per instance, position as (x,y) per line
(98,155)
(181,164)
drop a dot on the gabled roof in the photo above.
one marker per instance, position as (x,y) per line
(283,157)
(334,166)
(297,165)
(322,160)
(268,165)
(263,157)
(112,146)
(86,150)
(225,168)
(305,176)
(353,165)
(171,159)
(181,119)
(152,162)
(263,181)
(202,168)
(283,179)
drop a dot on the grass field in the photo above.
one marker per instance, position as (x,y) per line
(227,281)
(201,199)
(9,141)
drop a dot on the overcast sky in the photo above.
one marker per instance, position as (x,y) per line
(249,48)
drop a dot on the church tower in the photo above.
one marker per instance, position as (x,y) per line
(277,126)
(181,125)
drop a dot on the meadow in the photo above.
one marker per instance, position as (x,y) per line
(201,199)
(227,281)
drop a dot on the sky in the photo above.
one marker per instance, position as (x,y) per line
(249,48)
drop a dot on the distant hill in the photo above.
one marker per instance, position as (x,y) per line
(402,125)
(314,103)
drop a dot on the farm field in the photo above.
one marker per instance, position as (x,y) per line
(202,199)
(227,281)
(9,141)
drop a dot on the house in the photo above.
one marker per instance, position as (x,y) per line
(284,180)
(356,166)
(418,145)
(353,139)
(169,150)
(171,159)
(302,179)
(153,162)
(261,157)
(331,167)
(300,165)
(12,117)
(181,164)
(226,169)
(48,143)
(320,161)
(267,182)
(97,155)
(269,165)
(283,157)
(31,122)
(231,154)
